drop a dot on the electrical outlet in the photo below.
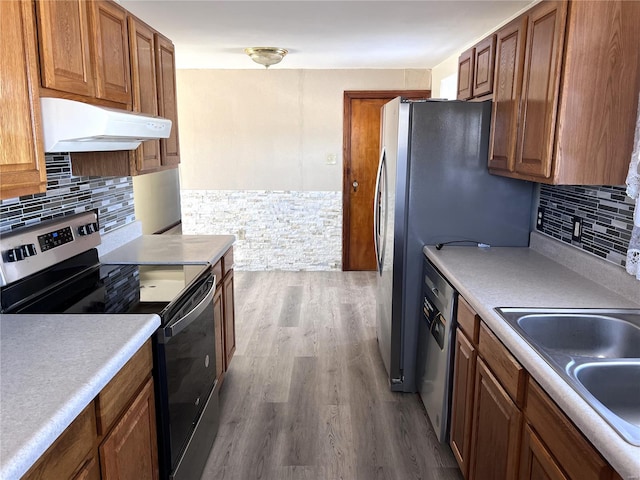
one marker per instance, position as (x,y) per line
(576,234)
(540,218)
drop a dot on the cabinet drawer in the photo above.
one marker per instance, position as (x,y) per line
(227,261)
(468,320)
(506,368)
(121,389)
(64,458)
(574,452)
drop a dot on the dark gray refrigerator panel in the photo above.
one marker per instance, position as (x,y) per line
(443,192)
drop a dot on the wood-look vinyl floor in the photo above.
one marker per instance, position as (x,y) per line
(306,396)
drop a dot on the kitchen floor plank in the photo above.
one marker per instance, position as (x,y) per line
(306,395)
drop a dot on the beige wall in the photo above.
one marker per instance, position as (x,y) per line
(270,129)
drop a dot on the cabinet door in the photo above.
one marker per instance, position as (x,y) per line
(462,403)
(89,471)
(465,75)
(510,41)
(22,163)
(536,462)
(65,58)
(111,51)
(218,318)
(144,86)
(167,100)
(497,424)
(130,450)
(483,63)
(540,88)
(229,319)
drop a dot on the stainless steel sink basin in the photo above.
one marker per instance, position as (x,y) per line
(616,385)
(583,334)
(596,351)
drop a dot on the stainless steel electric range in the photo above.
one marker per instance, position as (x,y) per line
(54,267)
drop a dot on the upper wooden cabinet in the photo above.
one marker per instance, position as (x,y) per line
(510,42)
(111,51)
(575,107)
(475,70)
(145,93)
(22,163)
(465,75)
(167,99)
(84,50)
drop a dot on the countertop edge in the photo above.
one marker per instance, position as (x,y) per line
(28,455)
(623,457)
(127,254)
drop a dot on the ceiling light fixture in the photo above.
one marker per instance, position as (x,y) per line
(266,56)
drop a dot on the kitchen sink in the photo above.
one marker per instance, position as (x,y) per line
(583,334)
(596,351)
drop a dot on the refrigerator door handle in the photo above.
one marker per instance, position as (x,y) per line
(376,210)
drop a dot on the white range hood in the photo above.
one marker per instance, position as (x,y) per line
(71,126)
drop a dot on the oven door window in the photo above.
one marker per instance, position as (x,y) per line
(189,357)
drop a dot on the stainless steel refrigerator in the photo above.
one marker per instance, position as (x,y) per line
(433,187)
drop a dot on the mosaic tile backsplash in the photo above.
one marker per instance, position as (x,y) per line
(66,195)
(606,213)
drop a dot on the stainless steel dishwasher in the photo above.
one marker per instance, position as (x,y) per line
(435,348)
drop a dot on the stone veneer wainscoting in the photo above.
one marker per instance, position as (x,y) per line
(607,215)
(66,195)
(275,230)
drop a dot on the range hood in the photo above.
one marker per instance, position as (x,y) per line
(71,126)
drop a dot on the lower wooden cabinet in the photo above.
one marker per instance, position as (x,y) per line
(503,425)
(229,318)
(115,435)
(462,404)
(536,462)
(126,452)
(224,312)
(497,424)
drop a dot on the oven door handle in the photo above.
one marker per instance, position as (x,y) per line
(171,330)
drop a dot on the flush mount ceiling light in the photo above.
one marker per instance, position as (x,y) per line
(266,56)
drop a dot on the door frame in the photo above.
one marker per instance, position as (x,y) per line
(346,150)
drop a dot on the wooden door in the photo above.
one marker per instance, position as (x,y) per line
(167,100)
(130,450)
(462,403)
(536,462)
(111,51)
(65,57)
(22,163)
(497,423)
(144,86)
(506,95)
(540,88)
(361,151)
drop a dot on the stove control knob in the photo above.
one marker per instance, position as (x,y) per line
(88,229)
(29,250)
(15,255)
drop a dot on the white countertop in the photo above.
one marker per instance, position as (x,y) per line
(171,249)
(522,277)
(51,367)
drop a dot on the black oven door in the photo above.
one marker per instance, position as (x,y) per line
(186,372)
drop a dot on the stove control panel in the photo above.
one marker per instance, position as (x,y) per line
(31,249)
(55,239)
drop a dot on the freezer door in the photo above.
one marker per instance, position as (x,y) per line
(380,210)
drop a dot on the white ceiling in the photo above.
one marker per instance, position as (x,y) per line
(322,34)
